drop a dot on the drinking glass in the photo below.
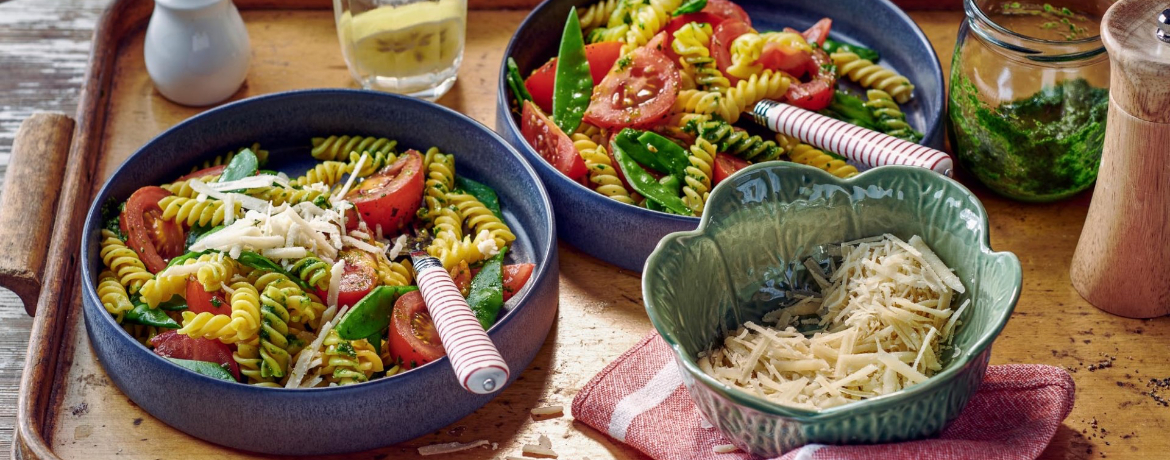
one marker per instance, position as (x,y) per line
(411,47)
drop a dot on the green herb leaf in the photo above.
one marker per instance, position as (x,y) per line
(481,192)
(197,233)
(260,262)
(244,164)
(175,304)
(831,46)
(516,83)
(213,370)
(691,6)
(111,211)
(183,258)
(574,84)
(143,314)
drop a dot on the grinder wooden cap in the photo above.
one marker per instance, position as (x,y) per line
(1135,34)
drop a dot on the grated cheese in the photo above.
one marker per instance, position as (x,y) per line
(335,282)
(547,410)
(450,447)
(352,177)
(884,315)
(263,180)
(351,241)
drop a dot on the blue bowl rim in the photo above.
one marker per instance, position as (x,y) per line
(502,100)
(742,398)
(90,292)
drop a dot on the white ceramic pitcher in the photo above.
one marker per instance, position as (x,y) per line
(197,51)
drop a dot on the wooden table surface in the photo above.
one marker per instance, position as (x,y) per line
(1118,414)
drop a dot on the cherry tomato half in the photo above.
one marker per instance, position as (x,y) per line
(359,278)
(550,142)
(726,165)
(212,171)
(601,57)
(414,340)
(638,93)
(727,10)
(725,33)
(391,196)
(155,240)
(818,32)
(816,94)
(171,344)
(515,277)
(790,60)
(199,300)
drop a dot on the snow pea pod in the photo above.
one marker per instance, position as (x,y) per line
(644,183)
(516,82)
(481,192)
(574,83)
(487,290)
(670,154)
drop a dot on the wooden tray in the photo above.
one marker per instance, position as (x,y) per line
(69,409)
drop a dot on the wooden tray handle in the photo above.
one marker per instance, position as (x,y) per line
(29,202)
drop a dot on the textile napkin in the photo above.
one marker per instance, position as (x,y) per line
(639,400)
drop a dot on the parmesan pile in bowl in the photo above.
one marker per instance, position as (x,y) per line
(881,321)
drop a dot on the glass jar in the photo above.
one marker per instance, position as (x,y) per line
(411,47)
(1029,93)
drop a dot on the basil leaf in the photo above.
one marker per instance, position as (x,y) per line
(831,46)
(213,370)
(573,84)
(185,257)
(143,314)
(175,304)
(691,6)
(481,192)
(197,233)
(260,262)
(516,83)
(244,164)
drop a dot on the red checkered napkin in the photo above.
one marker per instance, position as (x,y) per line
(639,399)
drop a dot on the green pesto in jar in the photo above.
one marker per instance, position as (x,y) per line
(1041,148)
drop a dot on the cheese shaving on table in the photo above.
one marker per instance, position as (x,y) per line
(547,410)
(884,315)
(450,447)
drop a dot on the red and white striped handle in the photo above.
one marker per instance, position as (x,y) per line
(861,145)
(477,362)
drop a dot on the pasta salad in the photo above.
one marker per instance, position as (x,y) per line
(644,100)
(245,274)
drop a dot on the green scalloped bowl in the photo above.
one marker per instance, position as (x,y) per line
(758,226)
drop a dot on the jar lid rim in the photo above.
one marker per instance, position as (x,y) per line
(975,12)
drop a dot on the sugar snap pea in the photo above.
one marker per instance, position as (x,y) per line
(516,83)
(487,290)
(573,84)
(644,183)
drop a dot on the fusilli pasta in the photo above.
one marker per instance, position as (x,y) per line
(123,261)
(870,75)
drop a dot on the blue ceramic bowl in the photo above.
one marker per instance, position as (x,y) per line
(624,235)
(338,419)
(759,227)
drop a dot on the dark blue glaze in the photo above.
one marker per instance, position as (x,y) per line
(625,235)
(340,419)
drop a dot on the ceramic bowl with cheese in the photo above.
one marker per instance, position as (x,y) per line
(760,227)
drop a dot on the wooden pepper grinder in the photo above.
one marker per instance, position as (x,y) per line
(1122,261)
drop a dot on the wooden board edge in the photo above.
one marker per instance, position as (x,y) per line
(43,360)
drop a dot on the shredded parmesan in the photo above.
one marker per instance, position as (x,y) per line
(335,282)
(548,410)
(450,447)
(182,269)
(396,250)
(352,177)
(263,180)
(882,318)
(351,241)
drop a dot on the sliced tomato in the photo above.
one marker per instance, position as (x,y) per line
(818,32)
(171,344)
(727,10)
(199,300)
(726,165)
(212,171)
(359,278)
(391,196)
(515,277)
(816,94)
(601,57)
(791,60)
(550,142)
(725,33)
(155,240)
(414,340)
(639,92)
